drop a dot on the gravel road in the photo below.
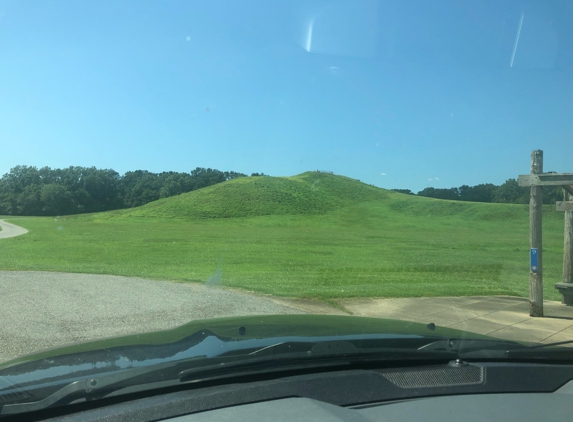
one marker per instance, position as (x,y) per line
(41,309)
(10,230)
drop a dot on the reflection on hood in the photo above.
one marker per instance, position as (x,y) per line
(203,344)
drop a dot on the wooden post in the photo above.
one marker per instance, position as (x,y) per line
(535,242)
(568,249)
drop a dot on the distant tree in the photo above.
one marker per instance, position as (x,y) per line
(203,177)
(428,192)
(465,192)
(7,200)
(29,202)
(511,193)
(56,200)
(103,189)
(552,194)
(404,191)
(452,193)
(140,187)
(21,177)
(257,174)
(170,187)
(229,175)
(478,193)
(25,190)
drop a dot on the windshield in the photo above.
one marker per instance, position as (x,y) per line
(176,162)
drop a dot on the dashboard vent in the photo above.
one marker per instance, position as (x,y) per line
(436,377)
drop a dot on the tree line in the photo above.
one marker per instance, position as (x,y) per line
(508,193)
(28,190)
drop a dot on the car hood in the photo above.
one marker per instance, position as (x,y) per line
(199,341)
(167,343)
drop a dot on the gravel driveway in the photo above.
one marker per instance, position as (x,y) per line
(42,309)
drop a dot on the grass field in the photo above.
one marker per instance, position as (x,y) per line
(313,235)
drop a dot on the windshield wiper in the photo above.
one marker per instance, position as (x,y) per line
(86,388)
(467,348)
(544,351)
(268,364)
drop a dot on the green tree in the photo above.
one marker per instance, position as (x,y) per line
(25,190)
(451,193)
(511,193)
(552,194)
(29,202)
(140,187)
(404,191)
(56,200)
(478,193)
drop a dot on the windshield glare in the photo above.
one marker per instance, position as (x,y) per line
(278,170)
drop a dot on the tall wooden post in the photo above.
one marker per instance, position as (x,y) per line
(568,249)
(535,242)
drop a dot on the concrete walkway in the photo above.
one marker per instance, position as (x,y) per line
(499,316)
(10,230)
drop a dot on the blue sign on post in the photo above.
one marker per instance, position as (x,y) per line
(534,259)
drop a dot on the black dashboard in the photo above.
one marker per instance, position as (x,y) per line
(444,392)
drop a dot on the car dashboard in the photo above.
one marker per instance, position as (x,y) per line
(477,391)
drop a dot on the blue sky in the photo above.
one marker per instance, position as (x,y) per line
(397,94)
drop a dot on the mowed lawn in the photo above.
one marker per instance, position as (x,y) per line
(399,247)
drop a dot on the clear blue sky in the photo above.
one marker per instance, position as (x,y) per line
(391,93)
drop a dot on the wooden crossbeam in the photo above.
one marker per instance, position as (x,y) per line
(548,179)
(564,205)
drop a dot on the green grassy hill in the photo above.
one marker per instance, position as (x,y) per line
(306,194)
(311,193)
(312,235)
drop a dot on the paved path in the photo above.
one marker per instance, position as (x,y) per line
(10,230)
(501,316)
